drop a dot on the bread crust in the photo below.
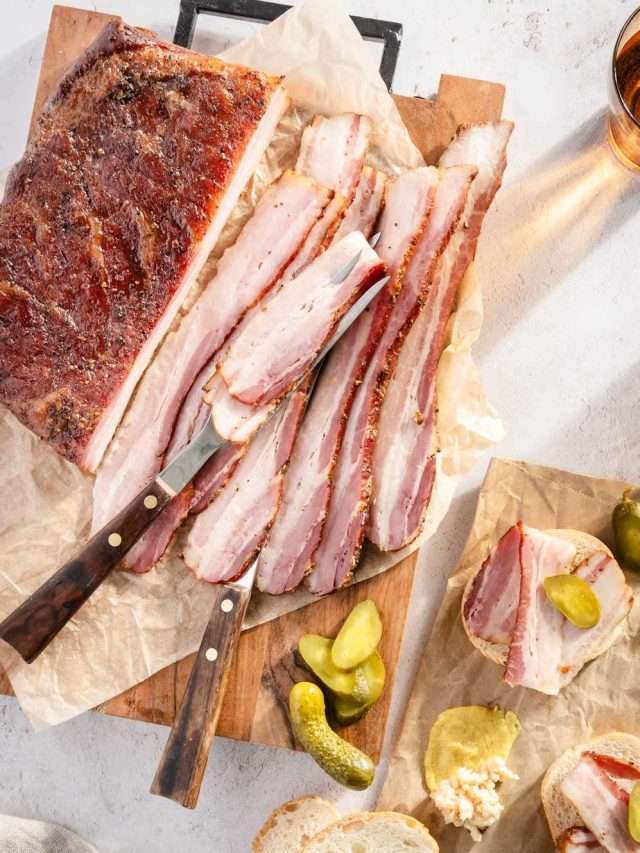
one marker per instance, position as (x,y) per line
(286,809)
(349,823)
(586,545)
(559,812)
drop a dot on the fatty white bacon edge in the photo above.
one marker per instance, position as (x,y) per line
(282,219)
(408,204)
(602,804)
(404,461)
(265,360)
(227,535)
(332,151)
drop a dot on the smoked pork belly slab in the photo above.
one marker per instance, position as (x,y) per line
(227,535)
(602,803)
(283,217)
(279,343)
(409,201)
(135,165)
(404,461)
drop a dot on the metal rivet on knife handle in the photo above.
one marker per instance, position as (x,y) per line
(211,654)
(151,501)
(226,605)
(114,540)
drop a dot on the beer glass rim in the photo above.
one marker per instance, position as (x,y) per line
(614,73)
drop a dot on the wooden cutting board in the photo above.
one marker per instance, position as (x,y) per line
(254,708)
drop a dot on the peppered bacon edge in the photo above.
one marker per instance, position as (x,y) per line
(103,215)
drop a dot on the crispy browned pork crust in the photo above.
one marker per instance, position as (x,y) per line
(102,221)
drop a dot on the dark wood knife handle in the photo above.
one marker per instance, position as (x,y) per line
(32,626)
(184,760)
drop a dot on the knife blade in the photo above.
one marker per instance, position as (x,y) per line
(35,623)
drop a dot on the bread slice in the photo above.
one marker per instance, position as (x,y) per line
(560,813)
(585,545)
(290,826)
(382,832)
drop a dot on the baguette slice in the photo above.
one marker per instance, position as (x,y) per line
(585,545)
(560,813)
(291,825)
(375,832)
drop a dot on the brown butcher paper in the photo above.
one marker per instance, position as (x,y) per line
(602,698)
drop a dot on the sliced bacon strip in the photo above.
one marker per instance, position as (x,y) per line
(295,535)
(332,151)
(404,464)
(318,239)
(577,839)
(490,608)
(408,205)
(601,803)
(535,651)
(229,532)
(366,205)
(264,360)
(282,219)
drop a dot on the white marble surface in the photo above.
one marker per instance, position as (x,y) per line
(559,354)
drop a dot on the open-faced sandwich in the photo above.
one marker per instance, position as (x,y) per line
(466,761)
(589,799)
(543,604)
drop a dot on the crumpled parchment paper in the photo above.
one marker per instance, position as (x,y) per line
(133,626)
(603,697)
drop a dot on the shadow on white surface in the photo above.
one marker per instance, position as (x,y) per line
(547,222)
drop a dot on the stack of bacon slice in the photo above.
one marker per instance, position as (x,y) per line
(404,459)
(506,606)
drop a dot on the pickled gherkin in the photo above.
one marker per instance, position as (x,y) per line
(574,598)
(342,761)
(634,813)
(626,528)
(358,637)
(315,651)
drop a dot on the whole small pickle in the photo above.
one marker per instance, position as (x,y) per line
(574,598)
(626,528)
(633,817)
(358,637)
(342,761)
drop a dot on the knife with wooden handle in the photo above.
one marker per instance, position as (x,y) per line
(34,624)
(184,760)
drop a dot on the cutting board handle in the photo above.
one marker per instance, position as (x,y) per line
(34,624)
(184,760)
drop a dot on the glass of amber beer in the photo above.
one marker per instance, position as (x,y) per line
(624,94)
